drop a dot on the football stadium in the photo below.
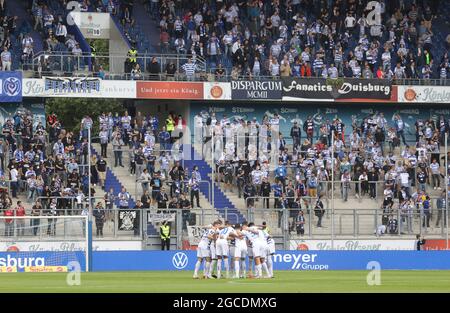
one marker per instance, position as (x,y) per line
(231,146)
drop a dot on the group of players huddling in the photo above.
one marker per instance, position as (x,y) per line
(221,240)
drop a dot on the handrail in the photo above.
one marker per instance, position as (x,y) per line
(227,77)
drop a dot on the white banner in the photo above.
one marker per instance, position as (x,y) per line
(160,217)
(91,24)
(424,94)
(78,87)
(194,234)
(217,91)
(382,244)
(103,245)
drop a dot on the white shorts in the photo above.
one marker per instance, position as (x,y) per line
(213,250)
(203,251)
(222,248)
(240,252)
(271,247)
(259,250)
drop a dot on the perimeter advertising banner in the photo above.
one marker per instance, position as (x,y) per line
(423,94)
(352,245)
(217,91)
(320,89)
(69,245)
(283,260)
(78,87)
(185,260)
(169,90)
(256,90)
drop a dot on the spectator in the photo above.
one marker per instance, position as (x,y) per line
(6,59)
(154,69)
(99,214)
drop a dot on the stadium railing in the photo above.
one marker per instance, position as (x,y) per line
(62,63)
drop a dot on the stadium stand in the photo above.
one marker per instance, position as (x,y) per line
(253,40)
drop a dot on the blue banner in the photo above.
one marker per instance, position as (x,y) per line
(10,86)
(283,260)
(185,260)
(20,260)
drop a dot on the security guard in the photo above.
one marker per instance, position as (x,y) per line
(170,125)
(164,230)
(132,58)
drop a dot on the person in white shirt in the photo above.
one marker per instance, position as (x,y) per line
(61,32)
(14,175)
(257,176)
(435,174)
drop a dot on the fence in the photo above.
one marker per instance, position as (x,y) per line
(135,224)
(62,62)
(87,65)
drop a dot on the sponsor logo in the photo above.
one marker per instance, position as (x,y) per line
(21,262)
(286,110)
(12,249)
(71,85)
(410,111)
(180,260)
(303,247)
(242,110)
(215,109)
(45,269)
(256,85)
(216,92)
(410,94)
(343,89)
(256,89)
(12,86)
(301,261)
(8,269)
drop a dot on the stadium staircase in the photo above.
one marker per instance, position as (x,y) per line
(112,181)
(117,177)
(222,203)
(25,25)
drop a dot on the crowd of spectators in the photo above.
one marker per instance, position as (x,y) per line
(8,25)
(49,164)
(372,158)
(300,38)
(253,159)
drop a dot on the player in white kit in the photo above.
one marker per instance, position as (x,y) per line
(259,244)
(270,248)
(239,254)
(204,250)
(222,249)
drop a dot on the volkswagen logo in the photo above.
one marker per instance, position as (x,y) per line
(180,260)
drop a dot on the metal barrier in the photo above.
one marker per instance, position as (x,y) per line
(132,224)
(63,62)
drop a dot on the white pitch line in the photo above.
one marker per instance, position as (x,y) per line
(248,283)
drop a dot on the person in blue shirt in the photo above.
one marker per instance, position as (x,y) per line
(154,123)
(164,139)
(280,173)
(277,193)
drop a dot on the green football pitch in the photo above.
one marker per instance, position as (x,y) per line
(284,281)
